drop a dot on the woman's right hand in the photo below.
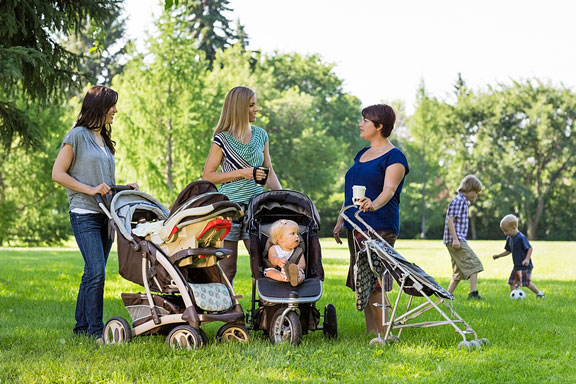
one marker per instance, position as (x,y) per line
(336,232)
(247,173)
(101,189)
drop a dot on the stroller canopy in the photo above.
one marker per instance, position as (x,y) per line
(125,204)
(286,199)
(268,207)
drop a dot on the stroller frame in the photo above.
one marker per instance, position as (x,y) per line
(168,296)
(408,280)
(284,312)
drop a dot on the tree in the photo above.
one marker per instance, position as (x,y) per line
(520,140)
(101,49)
(424,184)
(164,124)
(34,211)
(209,27)
(34,65)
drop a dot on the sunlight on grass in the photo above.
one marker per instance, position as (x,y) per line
(38,290)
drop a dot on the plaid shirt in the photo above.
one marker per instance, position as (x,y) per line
(458,209)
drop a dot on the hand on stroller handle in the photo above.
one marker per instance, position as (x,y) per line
(112,190)
(366,233)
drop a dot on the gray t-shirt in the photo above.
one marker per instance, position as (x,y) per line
(91,166)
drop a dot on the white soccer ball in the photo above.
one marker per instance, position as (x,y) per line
(517,294)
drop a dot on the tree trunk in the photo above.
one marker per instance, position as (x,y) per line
(473,234)
(423,203)
(169,172)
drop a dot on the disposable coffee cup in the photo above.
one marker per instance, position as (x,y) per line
(358,192)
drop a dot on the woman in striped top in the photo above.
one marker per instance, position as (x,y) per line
(238,149)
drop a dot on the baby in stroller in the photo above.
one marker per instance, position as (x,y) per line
(285,258)
(287,311)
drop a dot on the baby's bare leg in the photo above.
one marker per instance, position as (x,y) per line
(274,274)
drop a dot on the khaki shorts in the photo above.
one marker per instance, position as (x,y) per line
(465,263)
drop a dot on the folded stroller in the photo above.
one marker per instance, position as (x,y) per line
(174,256)
(287,312)
(377,258)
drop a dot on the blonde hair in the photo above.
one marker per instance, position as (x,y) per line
(509,220)
(470,183)
(279,227)
(235,116)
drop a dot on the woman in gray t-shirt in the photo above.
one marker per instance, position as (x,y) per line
(85,167)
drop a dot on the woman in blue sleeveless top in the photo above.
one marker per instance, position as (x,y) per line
(381,168)
(239,148)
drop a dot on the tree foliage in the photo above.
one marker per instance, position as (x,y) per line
(164,125)
(101,48)
(34,65)
(517,138)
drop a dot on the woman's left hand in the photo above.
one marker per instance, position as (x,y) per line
(134,186)
(366,204)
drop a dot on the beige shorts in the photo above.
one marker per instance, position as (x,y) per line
(465,263)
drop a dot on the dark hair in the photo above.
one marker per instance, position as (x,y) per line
(97,102)
(381,114)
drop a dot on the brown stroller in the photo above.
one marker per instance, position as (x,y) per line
(174,256)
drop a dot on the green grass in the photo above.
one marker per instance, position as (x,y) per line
(532,341)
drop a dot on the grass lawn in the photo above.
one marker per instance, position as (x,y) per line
(532,341)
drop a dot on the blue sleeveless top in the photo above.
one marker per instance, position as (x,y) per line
(371,175)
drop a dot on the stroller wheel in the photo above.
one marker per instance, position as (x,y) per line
(290,330)
(233,333)
(484,341)
(204,337)
(330,325)
(379,341)
(117,331)
(475,344)
(465,345)
(184,336)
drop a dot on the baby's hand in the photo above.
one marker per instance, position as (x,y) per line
(281,263)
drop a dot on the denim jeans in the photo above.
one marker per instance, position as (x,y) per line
(91,233)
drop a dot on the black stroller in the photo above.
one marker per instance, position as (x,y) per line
(287,312)
(174,256)
(377,258)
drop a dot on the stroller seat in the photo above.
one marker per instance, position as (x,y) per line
(280,292)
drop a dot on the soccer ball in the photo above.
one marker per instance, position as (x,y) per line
(517,294)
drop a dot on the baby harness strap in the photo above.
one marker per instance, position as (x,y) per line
(294,258)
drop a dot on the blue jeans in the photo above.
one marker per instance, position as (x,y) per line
(91,233)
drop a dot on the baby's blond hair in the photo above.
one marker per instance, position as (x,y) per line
(509,220)
(279,227)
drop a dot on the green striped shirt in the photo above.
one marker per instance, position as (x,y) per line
(237,155)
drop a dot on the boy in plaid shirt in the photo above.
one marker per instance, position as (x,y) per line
(465,263)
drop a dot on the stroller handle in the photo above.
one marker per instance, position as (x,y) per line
(113,190)
(368,230)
